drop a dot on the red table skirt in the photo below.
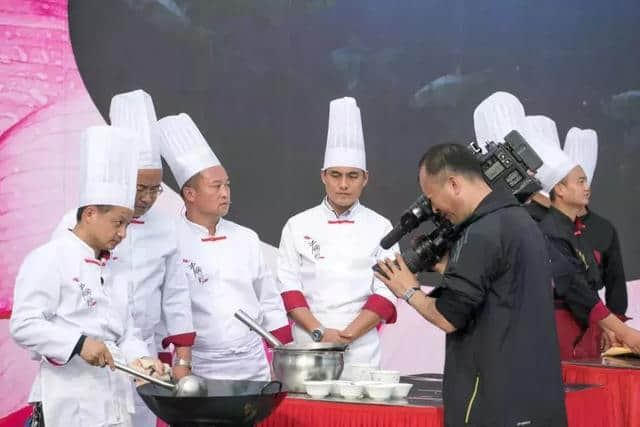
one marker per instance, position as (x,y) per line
(298,412)
(623,385)
(586,408)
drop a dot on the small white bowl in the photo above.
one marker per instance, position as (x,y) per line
(317,389)
(360,371)
(379,392)
(401,390)
(390,377)
(364,385)
(351,391)
(335,387)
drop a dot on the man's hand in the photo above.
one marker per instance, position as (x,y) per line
(608,340)
(399,278)
(180,371)
(96,353)
(336,336)
(631,339)
(441,266)
(150,366)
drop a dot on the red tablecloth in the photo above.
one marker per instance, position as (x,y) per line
(623,386)
(591,407)
(298,413)
(586,408)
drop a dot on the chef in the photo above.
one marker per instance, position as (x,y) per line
(326,252)
(227,270)
(149,251)
(576,273)
(581,145)
(71,310)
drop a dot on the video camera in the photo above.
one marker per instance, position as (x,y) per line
(506,165)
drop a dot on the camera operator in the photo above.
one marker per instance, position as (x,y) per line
(494,301)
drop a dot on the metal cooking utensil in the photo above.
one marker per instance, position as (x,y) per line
(277,344)
(188,386)
(293,364)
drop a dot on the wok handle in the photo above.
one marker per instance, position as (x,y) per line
(269,384)
(253,325)
(129,370)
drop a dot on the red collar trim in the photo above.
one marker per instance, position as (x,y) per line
(578,227)
(213,238)
(136,221)
(93,261)
(341,221)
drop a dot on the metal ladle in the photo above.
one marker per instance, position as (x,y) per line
(187,386)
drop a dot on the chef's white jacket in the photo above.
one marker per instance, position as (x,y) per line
(161,300)
(227,272)
(324,264)
(62,292)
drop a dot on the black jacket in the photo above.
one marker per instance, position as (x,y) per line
(576,274)
(599,237)
(502,363)
(602,237)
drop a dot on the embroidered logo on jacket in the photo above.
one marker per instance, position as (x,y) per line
(315,247)
(197,271)
(85,291)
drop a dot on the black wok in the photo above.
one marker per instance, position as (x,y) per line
(229,403)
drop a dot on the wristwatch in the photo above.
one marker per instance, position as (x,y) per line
(409,293)
(183,362)
(317,333)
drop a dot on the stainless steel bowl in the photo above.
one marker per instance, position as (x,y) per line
(294,367)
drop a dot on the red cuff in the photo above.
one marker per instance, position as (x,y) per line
(382,307)
(598,312)
(294,299)
(54,362)
(165,357)
(283,334)
(623,317)
(180,340)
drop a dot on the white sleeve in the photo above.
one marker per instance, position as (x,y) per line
(289,278)
(377,286)
(131,342)
(270,300)
(176,298)
(36,300)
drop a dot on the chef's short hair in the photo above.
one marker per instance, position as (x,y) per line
(101,208)
(456,158)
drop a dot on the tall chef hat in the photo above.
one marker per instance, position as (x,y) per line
(134,110)
(581,145)
(108,169)
(540,132)
(496,116)
(345,140)
(184,148)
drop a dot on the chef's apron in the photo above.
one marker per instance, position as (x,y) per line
(80,395)
(241,360)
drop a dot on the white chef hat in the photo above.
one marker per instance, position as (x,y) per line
(108,170)
(134,110)
(496,116)
(345,140)
(542,135)
(581,145)
(541,130)
(183,147)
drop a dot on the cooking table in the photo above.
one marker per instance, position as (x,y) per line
(587,406)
